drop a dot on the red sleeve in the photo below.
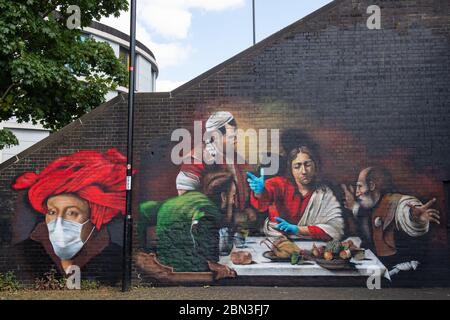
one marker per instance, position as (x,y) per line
(262,203)
(318,233)
(272,189)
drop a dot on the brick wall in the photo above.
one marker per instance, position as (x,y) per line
(364,96)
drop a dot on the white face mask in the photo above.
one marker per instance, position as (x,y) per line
(65,237)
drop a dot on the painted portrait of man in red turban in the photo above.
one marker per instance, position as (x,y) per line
(75,199)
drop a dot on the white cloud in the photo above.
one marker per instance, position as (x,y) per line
(214,5)
(168,85)
(169,53)
(170,20)
(165,19)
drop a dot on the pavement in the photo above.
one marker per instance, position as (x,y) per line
(235,293)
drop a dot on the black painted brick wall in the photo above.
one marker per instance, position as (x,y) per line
(367,95)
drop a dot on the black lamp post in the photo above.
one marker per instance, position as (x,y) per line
(128,220)
(254,23)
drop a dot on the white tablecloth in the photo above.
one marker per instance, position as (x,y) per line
(265,267)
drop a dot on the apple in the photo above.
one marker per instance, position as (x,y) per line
(345,254)
(328,255)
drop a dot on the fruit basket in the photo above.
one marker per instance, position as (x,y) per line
(336,255)
(335,264)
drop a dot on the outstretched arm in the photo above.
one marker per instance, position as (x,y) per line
(309,231)
(414,218)
(261,196)
(424,213)
(256,184)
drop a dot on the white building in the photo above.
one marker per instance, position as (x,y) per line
(146,74)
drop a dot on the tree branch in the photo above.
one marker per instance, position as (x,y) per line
(12,85)
(47,13)
(50,10)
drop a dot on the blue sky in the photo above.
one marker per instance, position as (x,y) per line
(188,37)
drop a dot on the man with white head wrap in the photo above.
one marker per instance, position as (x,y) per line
(222,124)
(221,130)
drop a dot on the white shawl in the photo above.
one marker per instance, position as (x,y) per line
(323,211)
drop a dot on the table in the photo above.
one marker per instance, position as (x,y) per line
(265,267)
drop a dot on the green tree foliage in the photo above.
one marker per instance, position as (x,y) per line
(49,74)
(7,138)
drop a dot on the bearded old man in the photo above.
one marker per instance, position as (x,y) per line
(393,224)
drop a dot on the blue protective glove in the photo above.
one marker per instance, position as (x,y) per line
(255,183)
(286,226)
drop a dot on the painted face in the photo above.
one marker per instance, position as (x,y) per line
(72,208)
(303,169)
(230,136)
(363,194)
(217,143)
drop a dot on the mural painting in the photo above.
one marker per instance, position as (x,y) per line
(225,216)
(233,220)
(198,223)
(71,212)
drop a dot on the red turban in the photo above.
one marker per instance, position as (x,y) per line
(98,178)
